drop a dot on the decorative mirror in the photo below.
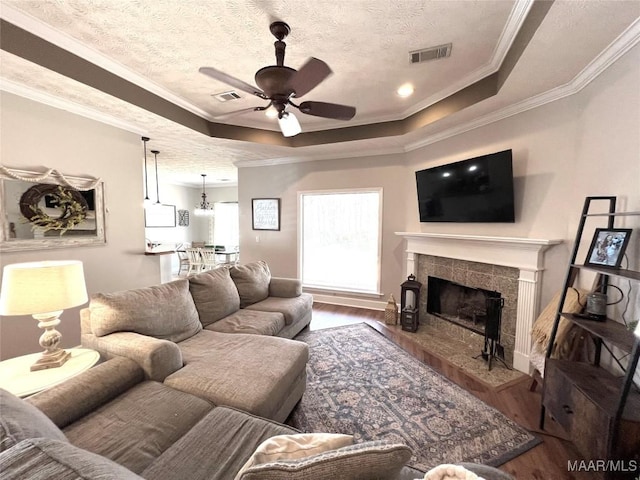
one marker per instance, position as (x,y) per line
(40,210)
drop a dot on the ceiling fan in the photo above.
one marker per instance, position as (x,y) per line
(279,84)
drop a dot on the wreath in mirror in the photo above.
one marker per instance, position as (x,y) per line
(69,201)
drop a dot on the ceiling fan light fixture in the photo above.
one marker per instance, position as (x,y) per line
(271,112)
(289,124)
(405,90)
(204,209)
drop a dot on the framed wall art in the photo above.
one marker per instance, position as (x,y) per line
(40,210)
(160,216)
(265,213)
(608,247)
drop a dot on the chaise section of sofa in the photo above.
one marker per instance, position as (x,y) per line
(169,330)
(112,424)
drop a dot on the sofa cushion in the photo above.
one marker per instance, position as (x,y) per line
(292,308)
(225,369)
(295,446)
(136,427)
(364,461)
(21,420)
(162,311)
(214,294)
(216,447)
(46,459)
(252,281)
(251,322)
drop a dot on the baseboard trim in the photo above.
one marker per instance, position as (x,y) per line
(349,301)
(521,363)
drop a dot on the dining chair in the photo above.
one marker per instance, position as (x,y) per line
(208,258)
(195,260)
(184,261)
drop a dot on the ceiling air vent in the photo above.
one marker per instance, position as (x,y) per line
(226,96)
(432,53)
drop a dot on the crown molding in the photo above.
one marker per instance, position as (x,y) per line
(517,17)
(69,106)
(616,49)
(312,158)
(66,42)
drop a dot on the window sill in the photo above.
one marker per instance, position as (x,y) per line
(360,293)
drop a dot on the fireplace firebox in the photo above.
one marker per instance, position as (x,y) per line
(459,304)
(475,309)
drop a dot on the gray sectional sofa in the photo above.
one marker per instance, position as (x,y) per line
(195,378)
(110,423)
(217,335)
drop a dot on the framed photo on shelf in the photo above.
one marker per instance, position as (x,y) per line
(607,247)
(265,213)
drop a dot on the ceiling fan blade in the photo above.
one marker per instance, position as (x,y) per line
(224,116)
(233,81)
(328,110)
(308,77)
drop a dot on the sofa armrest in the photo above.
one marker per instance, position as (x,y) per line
(67,402)
(158,358)
(285,287)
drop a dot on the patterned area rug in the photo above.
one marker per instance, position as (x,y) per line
(362,384)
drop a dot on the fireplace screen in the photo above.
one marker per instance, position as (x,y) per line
(459,304)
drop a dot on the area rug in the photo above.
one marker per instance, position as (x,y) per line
(360,383)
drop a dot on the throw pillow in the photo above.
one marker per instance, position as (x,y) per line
(252,281)
(21,420)
(44,459)
(162,311)
(380,460)
(290,447)
(214,294)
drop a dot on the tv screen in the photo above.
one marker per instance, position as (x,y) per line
(475,190)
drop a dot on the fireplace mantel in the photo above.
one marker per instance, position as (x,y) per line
(516,252)
(525,254)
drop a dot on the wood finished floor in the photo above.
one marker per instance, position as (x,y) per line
(547,461)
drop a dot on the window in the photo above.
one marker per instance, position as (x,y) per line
(340,236)
(225,231)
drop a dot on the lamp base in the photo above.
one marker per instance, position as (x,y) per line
(51,360)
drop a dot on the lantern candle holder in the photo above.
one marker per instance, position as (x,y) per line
(409,307)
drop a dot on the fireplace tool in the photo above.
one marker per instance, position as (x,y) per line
(492,347)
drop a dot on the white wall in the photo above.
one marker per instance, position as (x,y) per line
(585,144)
(35,136)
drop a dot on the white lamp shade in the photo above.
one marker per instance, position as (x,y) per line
(637,332)
(42,287)
(289,125)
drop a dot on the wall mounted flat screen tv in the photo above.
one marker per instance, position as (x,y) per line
(475,190)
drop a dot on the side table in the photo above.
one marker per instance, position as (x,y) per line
(15,376)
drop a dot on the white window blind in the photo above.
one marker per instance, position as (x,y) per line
(226,229)
(340,239)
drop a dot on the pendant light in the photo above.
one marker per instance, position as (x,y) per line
(205,209)
(155,155)
(147,201)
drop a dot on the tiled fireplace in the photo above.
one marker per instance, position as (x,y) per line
(511,266)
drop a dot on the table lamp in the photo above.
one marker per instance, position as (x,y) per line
(44,290)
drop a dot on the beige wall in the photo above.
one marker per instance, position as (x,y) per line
(585,144)
(35,136)
(279,248)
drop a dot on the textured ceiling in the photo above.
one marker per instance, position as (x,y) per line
(161,44)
